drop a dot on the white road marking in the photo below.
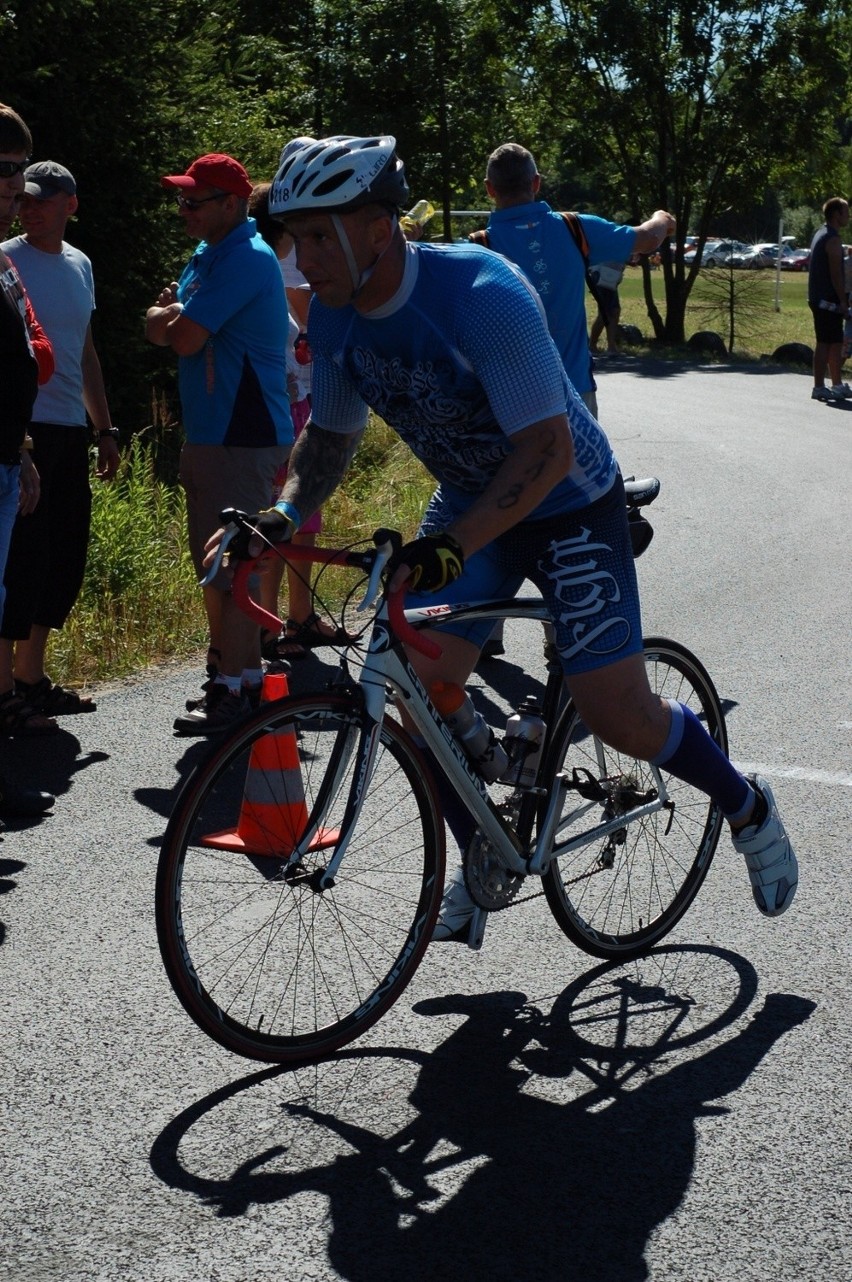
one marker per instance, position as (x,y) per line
(834,778)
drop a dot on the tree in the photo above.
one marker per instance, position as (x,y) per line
(692,106)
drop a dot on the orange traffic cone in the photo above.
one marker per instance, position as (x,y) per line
(273,813)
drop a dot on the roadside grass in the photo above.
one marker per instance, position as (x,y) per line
(140,603)
(759,328)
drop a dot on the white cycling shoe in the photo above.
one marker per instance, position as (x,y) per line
(770,860)
(460,920)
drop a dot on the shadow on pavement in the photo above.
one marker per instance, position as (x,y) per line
(541,1145)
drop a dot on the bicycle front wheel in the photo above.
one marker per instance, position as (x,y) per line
(619,895)
(264,958)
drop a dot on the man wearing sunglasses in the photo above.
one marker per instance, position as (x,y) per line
(226,318)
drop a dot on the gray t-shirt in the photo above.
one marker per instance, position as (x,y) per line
(62,292)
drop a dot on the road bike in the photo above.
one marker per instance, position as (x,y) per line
(302,869)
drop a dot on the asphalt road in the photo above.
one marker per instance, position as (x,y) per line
(522,1112)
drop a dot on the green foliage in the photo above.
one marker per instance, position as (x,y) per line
(140,598)
(694,105)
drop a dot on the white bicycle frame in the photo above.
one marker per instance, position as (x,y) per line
(387,664)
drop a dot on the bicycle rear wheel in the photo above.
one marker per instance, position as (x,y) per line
(618,896)
(263,959)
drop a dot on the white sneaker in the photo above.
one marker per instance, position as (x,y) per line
(771,863)
(840,391)
(457,911)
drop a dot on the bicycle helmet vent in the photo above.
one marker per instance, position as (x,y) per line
(338,174)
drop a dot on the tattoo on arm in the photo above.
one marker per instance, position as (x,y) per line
(512,495)
(318,462)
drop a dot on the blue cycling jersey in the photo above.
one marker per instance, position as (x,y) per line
(456,362)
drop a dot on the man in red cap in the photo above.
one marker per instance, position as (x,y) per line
(227,321)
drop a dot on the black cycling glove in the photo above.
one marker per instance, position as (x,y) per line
(435,561)
(270,524)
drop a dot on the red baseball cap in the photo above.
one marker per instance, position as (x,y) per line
(215,170)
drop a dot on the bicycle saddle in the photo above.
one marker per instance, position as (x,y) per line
(641,493)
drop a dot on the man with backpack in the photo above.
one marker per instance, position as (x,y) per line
(554,250)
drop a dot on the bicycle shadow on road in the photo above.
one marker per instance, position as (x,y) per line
(542,1144)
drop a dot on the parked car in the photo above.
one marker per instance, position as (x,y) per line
(792,260)
(750,256)
(709,247)
(724,253)
(798,260)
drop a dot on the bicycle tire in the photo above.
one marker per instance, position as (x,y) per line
(264,961)
(616,900)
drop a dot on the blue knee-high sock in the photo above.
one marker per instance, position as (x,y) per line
(692,755)
(457,817)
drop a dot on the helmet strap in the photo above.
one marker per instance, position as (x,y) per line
(359,279)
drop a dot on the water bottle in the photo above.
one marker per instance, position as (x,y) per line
(524,741)
(418,216)
(470,728)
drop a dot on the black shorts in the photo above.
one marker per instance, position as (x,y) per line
(607,301)
(828,326)
(47,555)
(581,562)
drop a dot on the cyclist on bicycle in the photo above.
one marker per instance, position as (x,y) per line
(449,345)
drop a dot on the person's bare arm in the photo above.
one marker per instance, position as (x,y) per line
(97,408)
(542,455)
(651,234)
(318,463)
(166,325)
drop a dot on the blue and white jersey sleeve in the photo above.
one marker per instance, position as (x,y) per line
(456,362)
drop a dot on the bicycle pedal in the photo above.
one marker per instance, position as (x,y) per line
(476,929)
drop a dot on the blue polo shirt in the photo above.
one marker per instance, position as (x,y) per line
(536,238)
(234,390)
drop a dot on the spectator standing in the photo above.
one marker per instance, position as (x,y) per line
(19,480)
(47,556)
(529,233)
(607,278)
(827,300)
(226,318)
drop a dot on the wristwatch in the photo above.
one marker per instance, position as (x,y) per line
(108,431)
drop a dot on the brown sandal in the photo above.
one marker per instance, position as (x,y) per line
(310,634)
(53,700)
(274,648)
(20,720)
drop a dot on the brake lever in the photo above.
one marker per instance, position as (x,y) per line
(384,552)
(227,535)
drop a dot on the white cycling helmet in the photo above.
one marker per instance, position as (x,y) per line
(293,146)
(338,174)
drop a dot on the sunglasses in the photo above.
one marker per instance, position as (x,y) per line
(8,168)
(186,202)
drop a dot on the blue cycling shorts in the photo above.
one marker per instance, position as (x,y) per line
(581,562)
